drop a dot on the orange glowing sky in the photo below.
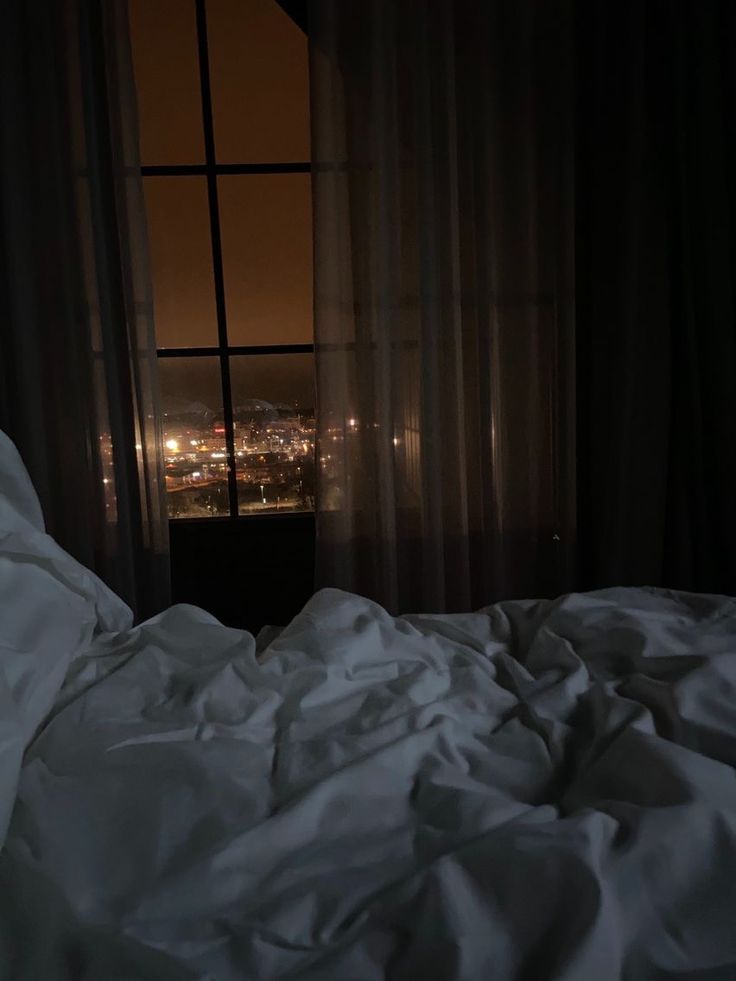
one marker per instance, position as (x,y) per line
(259,84)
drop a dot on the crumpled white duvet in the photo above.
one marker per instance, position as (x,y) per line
(541,790)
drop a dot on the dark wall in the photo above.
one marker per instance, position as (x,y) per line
(248,572)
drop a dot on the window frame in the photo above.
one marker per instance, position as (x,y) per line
(223,350)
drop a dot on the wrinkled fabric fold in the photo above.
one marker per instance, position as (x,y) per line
(538,789)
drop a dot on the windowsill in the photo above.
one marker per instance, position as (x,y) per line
(239,518)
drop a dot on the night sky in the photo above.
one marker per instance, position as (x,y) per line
(259,82)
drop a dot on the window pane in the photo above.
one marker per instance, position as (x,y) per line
(260,82)
(273,408)
(181,257)
(266,225)
(166,65)
(194,437)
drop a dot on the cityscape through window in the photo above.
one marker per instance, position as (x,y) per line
(224,139)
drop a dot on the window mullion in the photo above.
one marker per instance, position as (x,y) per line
(211,175)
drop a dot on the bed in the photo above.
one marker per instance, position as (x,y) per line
(538,790)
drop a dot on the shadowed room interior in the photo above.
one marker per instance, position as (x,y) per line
(367,480)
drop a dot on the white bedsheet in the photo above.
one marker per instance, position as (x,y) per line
(50,609)
(542,790)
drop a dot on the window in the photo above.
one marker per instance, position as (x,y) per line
(224,132)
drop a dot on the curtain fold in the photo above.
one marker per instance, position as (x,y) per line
(78,360)
(656,244)
(442,151)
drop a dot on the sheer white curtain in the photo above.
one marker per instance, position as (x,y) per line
(442,176)
(78,388)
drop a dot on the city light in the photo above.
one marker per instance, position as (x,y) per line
(274,449)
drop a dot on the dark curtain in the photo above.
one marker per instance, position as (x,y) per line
(446,309)
(442,175)
(77,353)
(656,275)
